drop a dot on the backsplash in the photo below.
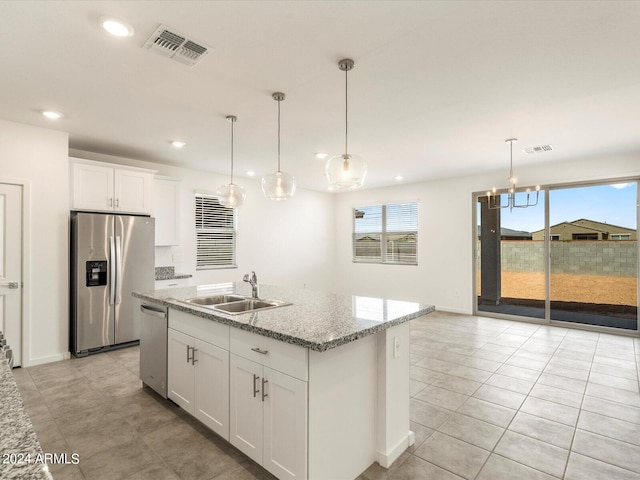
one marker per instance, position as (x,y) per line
(165,272)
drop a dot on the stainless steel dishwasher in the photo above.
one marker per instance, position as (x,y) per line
(153,347)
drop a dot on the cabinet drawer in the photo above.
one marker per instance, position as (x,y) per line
(281,356)
(201,328)
(172,283)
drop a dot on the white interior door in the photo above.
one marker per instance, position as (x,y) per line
(11,268)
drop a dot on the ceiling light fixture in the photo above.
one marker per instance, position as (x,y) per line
(346,171)
(178,143)
(494,199)
(116,27)
(279,185)
(50,114)
(397,178)
(231,195)
(321,156)
(251,173)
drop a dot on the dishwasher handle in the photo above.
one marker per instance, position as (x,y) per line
(152,311)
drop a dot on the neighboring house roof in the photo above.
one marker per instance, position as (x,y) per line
(589,225)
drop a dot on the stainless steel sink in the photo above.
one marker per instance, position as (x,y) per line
(214,300)
(248,305)
(234,304)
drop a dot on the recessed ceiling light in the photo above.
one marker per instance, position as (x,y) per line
(251,173)
(116,27)
(178,143)
(330,188)
(321,156)
(398,178)
(51,114)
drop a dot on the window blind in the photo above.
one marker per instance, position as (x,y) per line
(386,233)
(215,233)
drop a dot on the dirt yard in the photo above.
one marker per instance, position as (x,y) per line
(570,288)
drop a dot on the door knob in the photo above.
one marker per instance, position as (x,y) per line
(10,285)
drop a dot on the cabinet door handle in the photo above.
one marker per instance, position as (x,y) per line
(264,390)
(117,203)
(261,352)
(193,355)
(111,201)
(256,390)
(188,357)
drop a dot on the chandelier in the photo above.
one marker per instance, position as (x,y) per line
(494,199)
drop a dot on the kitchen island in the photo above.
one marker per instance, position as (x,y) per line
(318,388)
(20,452)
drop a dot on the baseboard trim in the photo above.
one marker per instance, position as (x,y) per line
(386,459)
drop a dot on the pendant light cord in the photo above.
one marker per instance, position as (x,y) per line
(346,110)
(232,152)
(279,136)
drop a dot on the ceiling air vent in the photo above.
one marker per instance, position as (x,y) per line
(171,44)
(538,149)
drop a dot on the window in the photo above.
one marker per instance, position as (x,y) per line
(215,234)
(620,236)
(386,234)
(584,236)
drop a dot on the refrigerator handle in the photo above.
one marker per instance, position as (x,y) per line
(118,271)
(112,271)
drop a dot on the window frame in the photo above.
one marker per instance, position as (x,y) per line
(383,234)
(219,230)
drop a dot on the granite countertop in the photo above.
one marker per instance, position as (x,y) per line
(315,320)
(169,273)
(20,452)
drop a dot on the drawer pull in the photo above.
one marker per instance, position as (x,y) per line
(261,352)
(264,390)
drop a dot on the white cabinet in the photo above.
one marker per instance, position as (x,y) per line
(106,187)
(198,370)
(268,408)
(166,210)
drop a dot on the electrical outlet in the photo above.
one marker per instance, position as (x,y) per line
(396,347)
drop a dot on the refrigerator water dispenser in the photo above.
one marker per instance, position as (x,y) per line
(96,273)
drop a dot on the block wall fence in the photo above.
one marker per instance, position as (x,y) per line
(606,258)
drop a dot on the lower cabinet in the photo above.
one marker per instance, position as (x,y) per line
(268,417)
(249,389)
(198,380)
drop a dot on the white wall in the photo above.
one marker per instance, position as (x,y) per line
(443,276)
(287,243)
(39,158)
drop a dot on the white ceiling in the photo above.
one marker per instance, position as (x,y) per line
(436,89)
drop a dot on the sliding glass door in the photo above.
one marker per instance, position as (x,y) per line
(593,255)
(571,257)
(510,264)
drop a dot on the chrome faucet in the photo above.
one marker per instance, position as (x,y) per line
(253,281)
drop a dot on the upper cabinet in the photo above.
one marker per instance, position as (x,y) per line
(105,187)
(166,210)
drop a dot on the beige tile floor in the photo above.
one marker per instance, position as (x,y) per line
(490,400)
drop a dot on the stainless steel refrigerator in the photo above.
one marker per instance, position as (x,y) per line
(111,256)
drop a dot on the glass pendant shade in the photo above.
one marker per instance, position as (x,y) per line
(279,186)
(346,171)
(231,195)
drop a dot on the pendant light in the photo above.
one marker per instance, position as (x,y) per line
(346,171)
(278,185)
(231,195)
(494,199)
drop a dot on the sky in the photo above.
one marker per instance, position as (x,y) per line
(613,204)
